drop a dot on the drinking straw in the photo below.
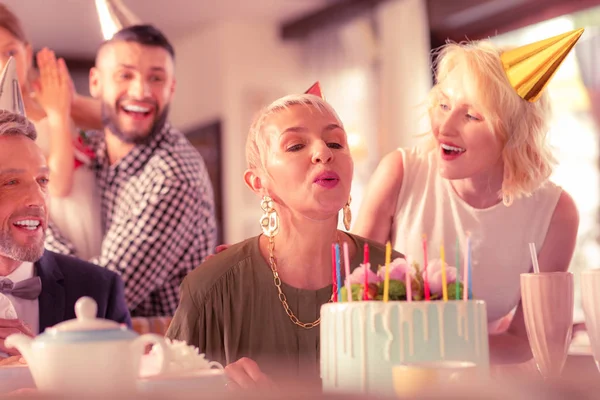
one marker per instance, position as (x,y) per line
(534,259)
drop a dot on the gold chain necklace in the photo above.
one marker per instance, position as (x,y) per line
(282,298)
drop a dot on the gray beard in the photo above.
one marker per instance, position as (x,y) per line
(10,249)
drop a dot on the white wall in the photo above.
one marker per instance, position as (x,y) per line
(228,71)
(199,86)
(404,48)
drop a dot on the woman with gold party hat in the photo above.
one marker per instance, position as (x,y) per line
(483,174)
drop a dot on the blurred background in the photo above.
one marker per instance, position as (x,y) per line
(372,58)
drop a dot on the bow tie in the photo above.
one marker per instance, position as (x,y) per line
(28,289)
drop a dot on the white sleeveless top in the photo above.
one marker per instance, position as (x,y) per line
(428,204)
(77,215)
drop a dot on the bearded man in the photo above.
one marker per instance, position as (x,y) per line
(157,199)
(38,288)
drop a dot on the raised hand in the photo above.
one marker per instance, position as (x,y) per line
(54,88)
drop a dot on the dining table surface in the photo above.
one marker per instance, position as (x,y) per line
(580,380)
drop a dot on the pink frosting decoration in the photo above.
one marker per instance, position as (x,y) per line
(398,269)
(358,275)
(434,274)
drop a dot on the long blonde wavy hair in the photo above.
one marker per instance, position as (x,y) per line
(520,126)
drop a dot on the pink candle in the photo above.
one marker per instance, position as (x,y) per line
(333,277)
(408,282)
(466,270)
(367,267)
(347,266)
(425,279)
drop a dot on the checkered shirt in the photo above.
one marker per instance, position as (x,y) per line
(158,219)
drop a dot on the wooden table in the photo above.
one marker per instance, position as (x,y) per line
(580,380)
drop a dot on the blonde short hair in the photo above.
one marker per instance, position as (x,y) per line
(520,126)
(257,143)
(12,124)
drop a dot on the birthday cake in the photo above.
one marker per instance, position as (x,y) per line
(432,321)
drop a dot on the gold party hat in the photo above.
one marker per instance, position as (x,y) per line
(10,91)
(114,16)
(316,90)
(529,68)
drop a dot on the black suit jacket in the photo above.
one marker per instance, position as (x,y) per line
(65,279)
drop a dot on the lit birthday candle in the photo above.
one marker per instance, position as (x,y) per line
(347,269)
(386,282)
(444,281)
(333,277)
(408,282)
(338,272)
(367,267)
(466,283)
(425,278)
(456,263)
(470,291)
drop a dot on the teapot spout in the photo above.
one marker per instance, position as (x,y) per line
(22,343)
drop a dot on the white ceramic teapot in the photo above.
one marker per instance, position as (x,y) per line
(87,354)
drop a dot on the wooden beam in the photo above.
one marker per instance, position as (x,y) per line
(550,9)
(74,63)
(336,13)
(526,14)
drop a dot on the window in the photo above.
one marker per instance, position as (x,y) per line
(574,136)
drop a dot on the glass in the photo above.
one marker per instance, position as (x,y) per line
(590,299)
(548,310)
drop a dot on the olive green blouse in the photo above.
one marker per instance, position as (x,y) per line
(230,309)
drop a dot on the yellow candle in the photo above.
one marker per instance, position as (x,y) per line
(444,288)
(386,282)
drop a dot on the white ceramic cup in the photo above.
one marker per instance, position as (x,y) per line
(412,378)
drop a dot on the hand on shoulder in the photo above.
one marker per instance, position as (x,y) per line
(218,249)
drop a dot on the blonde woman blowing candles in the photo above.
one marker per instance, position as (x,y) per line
(256,305)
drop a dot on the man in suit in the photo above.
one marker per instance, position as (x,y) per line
(38,288)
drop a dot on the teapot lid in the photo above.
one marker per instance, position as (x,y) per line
(86,327)
(86,310)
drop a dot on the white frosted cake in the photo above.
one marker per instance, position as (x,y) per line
(361,341)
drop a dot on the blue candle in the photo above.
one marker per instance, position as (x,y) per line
(469,267)
(338,272)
